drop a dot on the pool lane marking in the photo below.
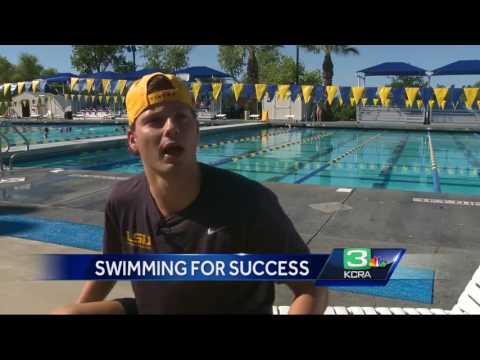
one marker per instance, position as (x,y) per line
(386,172)
(471,159)
(252,154)
(337,159)
(292,169)
(435,176)
(244,139)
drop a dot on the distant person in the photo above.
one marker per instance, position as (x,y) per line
(45,133)
(179,205)
(318,113)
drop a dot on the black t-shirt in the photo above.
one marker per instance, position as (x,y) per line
(232,214)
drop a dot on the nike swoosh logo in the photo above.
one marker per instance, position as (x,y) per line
(211,231)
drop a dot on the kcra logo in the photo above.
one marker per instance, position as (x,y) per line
(358,261)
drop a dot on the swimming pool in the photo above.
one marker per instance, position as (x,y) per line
(444,162)
(60,132)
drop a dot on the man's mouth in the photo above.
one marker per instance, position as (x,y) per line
(172,150)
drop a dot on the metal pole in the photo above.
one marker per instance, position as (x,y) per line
(298,56)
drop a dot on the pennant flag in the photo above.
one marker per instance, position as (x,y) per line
(319,94)
(370,93)
(384,93)
(113,86)
(364,101)
(105,86)
(440,94)
(331,93)
(89,83)
(294,91)
(340,101)
(196,86)
(260,90)
(443,103)
(107,99)
(419,104)
(97,86)
(411,94)
(357,93)
(375,102)
(398,97)
(21,86)
(345,94)
(216,88)
(478,104)
(282,91)
(271,91)
(307,93)
(426,94)
(28,86)
(13,88)
(6,89)
(73,82)
(248,91)
(35,85)
(352,101)
(408,103)
(42,85)
(226,90)
(115,98)
(123,100)
(387,102)
(85,97)
(470,96)
(81,85)
(92,98)
(121,86)
(431,103)
(455,94)
(100,98)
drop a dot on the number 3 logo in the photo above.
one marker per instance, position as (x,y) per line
(356,259)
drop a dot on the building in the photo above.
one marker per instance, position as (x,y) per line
(41,104)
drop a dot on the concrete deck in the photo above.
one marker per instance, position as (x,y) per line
(443,237)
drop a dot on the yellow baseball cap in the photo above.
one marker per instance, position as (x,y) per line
(138,100)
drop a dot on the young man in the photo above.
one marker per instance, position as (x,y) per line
(181,206)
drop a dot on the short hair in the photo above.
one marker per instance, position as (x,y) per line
(159,83)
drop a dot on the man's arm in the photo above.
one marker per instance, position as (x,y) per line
(308,299)
(95,291)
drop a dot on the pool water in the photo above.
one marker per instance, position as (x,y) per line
(377,159)
(56,133)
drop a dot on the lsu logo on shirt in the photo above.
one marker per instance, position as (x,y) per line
(139,240)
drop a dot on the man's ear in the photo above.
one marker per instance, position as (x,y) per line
(132,142)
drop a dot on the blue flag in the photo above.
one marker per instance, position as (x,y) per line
(345,94)
(398,96)
(370,93)
(426,94)
(294,91)
(319,94)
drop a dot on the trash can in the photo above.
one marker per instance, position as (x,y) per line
(264,115)
(246,114)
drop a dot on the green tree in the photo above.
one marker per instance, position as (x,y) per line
(477,84)
(48,72)
(408,81)
(27,68)
(7,70)
(168,58)
(313,77)
(244,59)
(96,58)
(328,51)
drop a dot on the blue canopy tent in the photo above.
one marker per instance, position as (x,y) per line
(462,67)
(391,69)
(200,72)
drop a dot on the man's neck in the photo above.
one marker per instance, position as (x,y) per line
(175,192)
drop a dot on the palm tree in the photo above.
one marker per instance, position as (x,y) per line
(328,50)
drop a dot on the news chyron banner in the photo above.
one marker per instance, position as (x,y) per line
(343,267)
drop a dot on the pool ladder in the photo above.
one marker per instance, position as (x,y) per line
(12,157)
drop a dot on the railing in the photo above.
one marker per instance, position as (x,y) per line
(12,156)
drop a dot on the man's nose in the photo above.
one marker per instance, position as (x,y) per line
(171,127)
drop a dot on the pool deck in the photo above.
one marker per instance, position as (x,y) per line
(442,236)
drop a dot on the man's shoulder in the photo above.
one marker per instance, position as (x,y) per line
(127,190)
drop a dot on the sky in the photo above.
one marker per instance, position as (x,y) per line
(428,57)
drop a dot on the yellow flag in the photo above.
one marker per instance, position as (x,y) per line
(364,101)
(260,91)
(470,96)
(411,94)
(121,86)
(196,89)
(375,101)
(442,104)
(331,92)
(20,87)
(106,86)
(352,101)
(419,104)
(282,91)
(440,94)
(6,89)
(89,83)
(408,103)
(307,93)
(73,82)
(478,104)
(384,93)
(431,103)
(340,101)
(100,98)
(34,85)
(216,87)
(107,99)
(115,99)
(357,93)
